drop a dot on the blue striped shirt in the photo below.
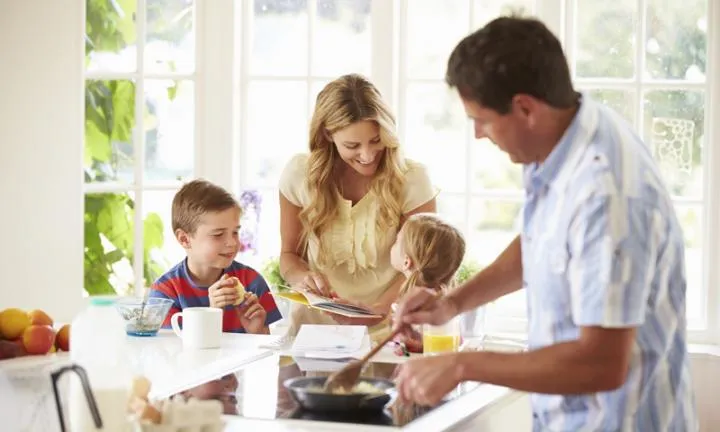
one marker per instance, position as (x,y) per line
(602,246)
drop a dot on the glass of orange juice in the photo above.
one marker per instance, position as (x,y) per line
(438,339)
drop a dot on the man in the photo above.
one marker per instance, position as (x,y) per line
(600,254)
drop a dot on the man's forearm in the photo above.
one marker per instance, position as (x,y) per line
(564,368)
(500,278)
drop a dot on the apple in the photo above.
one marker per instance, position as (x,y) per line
(38,317)
(10,349)
(38,339)
(62,338)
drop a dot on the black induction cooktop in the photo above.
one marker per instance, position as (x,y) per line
(257,392)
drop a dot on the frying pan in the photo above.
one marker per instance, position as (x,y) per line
(307,392)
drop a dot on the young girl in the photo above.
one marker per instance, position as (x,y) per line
(428,251)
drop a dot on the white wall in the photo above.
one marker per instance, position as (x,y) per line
(706,379)
(41,143)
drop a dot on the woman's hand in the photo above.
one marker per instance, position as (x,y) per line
(376,309)
(315,283)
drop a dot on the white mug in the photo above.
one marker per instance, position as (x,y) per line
(202,327)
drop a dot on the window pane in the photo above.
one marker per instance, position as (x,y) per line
(676,43)
(341,38)
(315,87)
(433,29)
(277,128)
(169,129)
(268,239)
(492,168)
(488,10)
(606,39)
(108,243)
(494,224)
(170,36)
(280,38)
(162,251)
(453,208)
(622,101)
(110,36)
(109,123)
(436,134)
(691,219)
(674,130)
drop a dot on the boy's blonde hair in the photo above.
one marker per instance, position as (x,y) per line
(347,100)
(436,249)
(197,198)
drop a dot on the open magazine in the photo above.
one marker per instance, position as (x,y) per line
(325,304)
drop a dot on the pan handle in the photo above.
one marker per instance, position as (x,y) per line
(369,397)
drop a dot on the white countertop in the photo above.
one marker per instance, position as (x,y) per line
(172,369)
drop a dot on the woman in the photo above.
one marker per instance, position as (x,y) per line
(342,204)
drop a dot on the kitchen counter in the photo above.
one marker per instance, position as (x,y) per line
(259,370)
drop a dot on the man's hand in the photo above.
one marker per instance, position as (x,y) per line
(223,293)
(424,306)
(427,380)
(252,315)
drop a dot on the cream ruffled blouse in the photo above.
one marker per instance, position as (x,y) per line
(360,255)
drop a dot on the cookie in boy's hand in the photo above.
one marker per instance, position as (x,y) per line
(242,294)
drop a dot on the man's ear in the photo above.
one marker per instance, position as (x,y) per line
(526,107)
(183,238)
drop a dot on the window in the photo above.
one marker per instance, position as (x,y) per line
(155,119)
(481,190)
(139,137)
(293,48)
(651,65)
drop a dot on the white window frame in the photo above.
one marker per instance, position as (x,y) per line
(139,185)
(222,78)
(559,15)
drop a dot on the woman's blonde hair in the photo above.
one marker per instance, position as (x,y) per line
(344,101)
(436,249)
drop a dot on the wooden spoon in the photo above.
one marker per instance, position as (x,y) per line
(346,377)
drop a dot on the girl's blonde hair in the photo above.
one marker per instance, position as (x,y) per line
(344,101)
(436,249)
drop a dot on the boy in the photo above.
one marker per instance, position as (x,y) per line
(206,221)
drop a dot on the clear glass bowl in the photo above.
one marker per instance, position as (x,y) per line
(143,318)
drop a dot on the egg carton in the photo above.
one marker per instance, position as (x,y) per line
(152,427)
(180,415)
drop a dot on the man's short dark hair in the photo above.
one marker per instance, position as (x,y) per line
(510,56)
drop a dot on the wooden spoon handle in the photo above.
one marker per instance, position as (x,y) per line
(381,344)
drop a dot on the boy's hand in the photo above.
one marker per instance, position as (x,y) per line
(223,293)
(252,315)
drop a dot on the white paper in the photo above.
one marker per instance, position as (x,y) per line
(328,340)
(319,365)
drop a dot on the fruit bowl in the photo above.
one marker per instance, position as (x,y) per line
(143,317)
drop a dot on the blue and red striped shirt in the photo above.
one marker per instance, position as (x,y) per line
(178,286)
